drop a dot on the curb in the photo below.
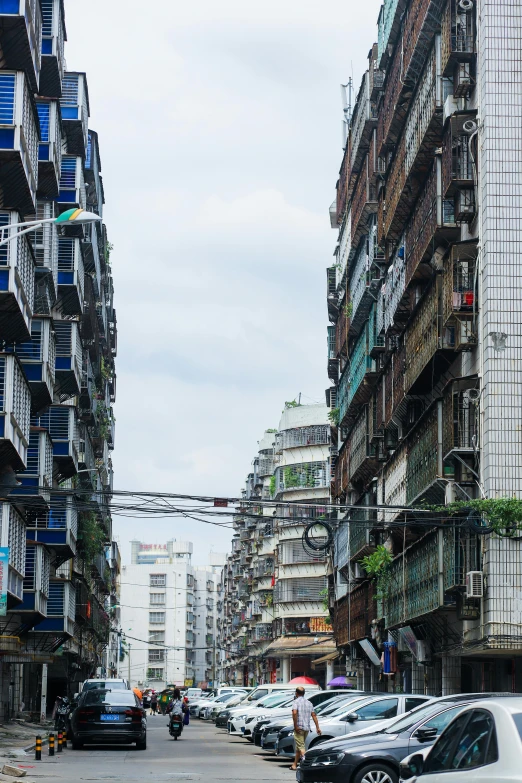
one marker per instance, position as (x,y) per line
(29,748)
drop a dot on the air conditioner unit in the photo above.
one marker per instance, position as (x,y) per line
(463,81)
(474,584)
(423,651)
(465,206)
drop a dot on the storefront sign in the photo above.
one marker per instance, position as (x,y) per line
(319,625)
(4,572)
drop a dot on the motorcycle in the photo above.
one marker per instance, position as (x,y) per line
(175,726)
(61,718)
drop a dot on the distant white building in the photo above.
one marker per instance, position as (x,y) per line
(168,615)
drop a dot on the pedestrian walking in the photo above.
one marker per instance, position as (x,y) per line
(302,711)
(153,704)
(186,711)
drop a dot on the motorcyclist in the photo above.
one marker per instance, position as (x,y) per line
(175,707)
(62,709)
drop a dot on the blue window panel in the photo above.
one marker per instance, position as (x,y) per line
(47,17)
(63,363)
(7,97)
(67,197)
(68,173)
(47,46)
(6,138)
(44,113)
(33,372)
(51,537)
(28,602)
(2,426)
(88,156)
(61,449)
(43,152)
(69,113)
(55,602)
(9,6)
(65,278)
(4,280)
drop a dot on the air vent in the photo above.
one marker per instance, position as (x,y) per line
(474,584)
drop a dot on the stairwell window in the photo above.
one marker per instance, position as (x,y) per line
(157,636)
(156,656)
(157,599)
(158,580)
(156,618)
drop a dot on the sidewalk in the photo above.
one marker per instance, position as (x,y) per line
(17,742)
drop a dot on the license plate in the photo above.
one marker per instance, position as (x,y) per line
(110,717)
(242,729)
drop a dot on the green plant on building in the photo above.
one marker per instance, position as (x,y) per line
(272,486)
(91,537)
(378,567)
(334,416)
(502,516)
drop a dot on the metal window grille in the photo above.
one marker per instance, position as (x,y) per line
(2,383)
(57,422)
(16,541)
(5,219)
(309,589)
(156,656)
(156,618)
(89,156)
(33,454)
(158,580)
(44,115)
(30,134)
(7,98)
(156,636)
(30,568)
(63,331)
(69,90)
(32,349)
(45,571)
(47,17)
(25,268)
(293,552)
(157,599)
(21,401)
(66,254)
(56,602)
(71,604)
(155,674)
(68,173)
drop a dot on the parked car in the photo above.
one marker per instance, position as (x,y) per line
(211,696)
(377,756)
(108,716)
(227,698)
(268,702)
(112,683)
(482,744)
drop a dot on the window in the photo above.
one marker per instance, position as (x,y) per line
(517,718)
(472,749)
(157,599)
(379,710)
(156,636)
(157,618)
(156,656)
(410,703)
(440,721)
(155,674)
(442,751)
(158,580)
(121,698)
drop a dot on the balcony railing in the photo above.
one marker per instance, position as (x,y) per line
(16,282)
(69,357)
(95,196)
(18,143)
(75,112)
(356,381)
(36,580)
(362,455)
(305,475)
(38,359)
(21,37)
(362,539)
(460,421)
(424,456)
(62,424)
(363,205)
(36,480)
(364,285)
(458,36)
(49,149)
(61,610)
(44,242)
(70,276)
(342,187)
(364,120)
(53,34)
(460,284)
(457,155)
(56,527)
(15,412)
(316,435)
(72,185)
(388,24)
(299,590)
(13,535)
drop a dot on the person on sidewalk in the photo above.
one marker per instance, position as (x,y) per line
(153,704)
(302,711)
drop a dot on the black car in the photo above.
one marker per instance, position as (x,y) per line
(377,756)
(105,716)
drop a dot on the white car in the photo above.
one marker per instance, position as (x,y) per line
(238,716)
(206,708)
(483,744)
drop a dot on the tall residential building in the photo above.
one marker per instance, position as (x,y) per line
(424,347)
(57,376)
(168,615)
(274,624)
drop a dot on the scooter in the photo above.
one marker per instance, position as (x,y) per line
(175,726)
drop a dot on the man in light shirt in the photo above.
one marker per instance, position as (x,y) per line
(302,711)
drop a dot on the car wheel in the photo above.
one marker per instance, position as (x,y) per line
(317,740)
(141,744)
(76,744)
(376,773)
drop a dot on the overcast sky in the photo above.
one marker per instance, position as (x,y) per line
(220,137)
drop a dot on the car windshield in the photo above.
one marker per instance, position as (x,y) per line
(330,706)
(342,709)
(226,697)
(280,700)
(114,698)
(406,722)
(89,686)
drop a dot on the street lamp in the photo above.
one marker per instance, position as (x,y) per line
(70,216)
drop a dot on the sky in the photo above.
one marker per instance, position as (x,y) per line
(220,139)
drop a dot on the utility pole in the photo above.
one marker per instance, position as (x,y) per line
(129,665)
(214,663)
(43,702)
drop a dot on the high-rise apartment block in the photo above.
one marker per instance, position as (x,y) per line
(274,623)
(424,348)
(57,377)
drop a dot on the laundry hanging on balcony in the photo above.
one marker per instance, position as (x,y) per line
(389,658)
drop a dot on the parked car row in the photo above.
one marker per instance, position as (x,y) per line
(390,738)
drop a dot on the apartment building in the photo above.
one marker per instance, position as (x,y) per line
(274,623)
(57,377)
(206,611)
(424,349)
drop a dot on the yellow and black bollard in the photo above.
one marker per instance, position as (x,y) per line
(60,740)
(51,744)
(38,749)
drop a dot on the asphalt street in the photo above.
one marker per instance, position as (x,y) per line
(203,753)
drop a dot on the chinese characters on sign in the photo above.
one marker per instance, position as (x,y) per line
(319,625)
(4,570)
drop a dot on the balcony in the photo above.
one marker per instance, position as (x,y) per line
(263,632)
(363,456)
(72,185)
(357,380)
(49,149)
(362,611)
(16,283)
(423,469)
(364,120)
(53,36)
(18,143)
(38,359)
(302,476)
(342,189)
(316,435)
(15,412)
(35,584)
(331,293)
(429,345)
(389,25)
(70,276)
(94,184)
(458,37)
(333,361)
(69,357)
(59,623)
(364,204)
(75,112)
(37,478)
(45,248)
(460,420)
(298,591)
(364,287)
(457,156)
(12,535)
(61,423)
(460,305)
(21,38)
(56,527)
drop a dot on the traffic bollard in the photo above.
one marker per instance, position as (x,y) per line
(59,748)
(38,749)
(51,744)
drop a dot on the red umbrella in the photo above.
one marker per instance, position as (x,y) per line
(303,681)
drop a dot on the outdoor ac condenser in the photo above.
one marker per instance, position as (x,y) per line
(474,584)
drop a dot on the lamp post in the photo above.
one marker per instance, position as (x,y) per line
(69,217)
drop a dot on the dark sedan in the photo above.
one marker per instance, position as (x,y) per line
(376,757)
(105,716)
